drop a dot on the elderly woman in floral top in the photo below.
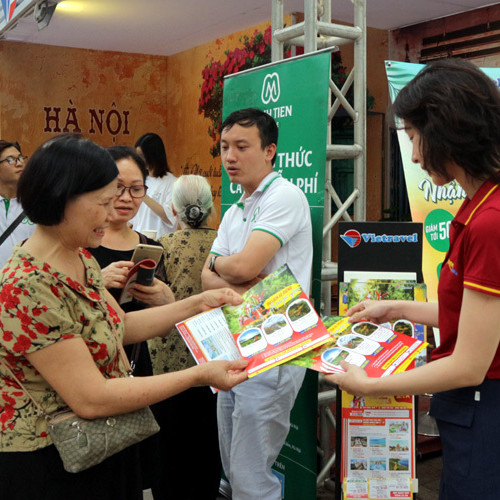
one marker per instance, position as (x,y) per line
(59,328)
(186,251)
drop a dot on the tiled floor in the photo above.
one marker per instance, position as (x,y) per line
(428,473)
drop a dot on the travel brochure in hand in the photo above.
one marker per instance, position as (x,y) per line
(379,349)
(275,323)
(386,289)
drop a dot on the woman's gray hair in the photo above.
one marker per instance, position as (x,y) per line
(192,199)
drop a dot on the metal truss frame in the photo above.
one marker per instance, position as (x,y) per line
(314,33)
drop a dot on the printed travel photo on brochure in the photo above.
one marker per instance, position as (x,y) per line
(275,323)
(378,349)
(357,290)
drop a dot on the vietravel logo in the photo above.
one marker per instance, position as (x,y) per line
(8,8)
(271,88)
(353,238)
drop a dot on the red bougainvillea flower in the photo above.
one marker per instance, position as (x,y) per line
(255,51)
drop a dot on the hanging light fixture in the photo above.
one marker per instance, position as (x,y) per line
(43,13)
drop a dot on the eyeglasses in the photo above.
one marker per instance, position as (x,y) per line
(137,191)
(11,160)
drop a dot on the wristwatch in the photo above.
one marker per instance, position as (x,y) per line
(211,264)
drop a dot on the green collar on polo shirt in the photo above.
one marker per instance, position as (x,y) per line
(260,189)
(264,188)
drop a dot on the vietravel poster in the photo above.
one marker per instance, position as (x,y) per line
(434,206)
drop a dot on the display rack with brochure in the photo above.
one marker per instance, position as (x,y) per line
(376,439)
(378,434)
(378,447)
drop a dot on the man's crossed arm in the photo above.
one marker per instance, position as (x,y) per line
(241,270)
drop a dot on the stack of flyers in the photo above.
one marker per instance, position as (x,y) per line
(378,349)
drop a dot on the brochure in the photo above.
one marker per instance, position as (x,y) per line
(376,348)
(378,447)
(143,273)
(275,323)
(356,290)
(378,434)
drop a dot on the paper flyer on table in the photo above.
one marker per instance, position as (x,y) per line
(275,323)
(376,348)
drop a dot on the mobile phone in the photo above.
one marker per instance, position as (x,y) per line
(143,251)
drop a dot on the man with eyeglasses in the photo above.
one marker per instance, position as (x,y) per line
(12,164)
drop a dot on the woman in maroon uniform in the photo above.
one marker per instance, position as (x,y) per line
(451,113)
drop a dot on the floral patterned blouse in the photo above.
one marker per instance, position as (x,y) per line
(185,254)
(38,307)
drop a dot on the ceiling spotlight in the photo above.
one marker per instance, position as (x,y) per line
(43,13)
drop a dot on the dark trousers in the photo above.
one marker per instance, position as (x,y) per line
(189,460)
(468,421)
(39,475)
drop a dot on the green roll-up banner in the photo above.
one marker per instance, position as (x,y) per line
(295,93)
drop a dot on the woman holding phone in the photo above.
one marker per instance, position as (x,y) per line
(120,240)
(114,255)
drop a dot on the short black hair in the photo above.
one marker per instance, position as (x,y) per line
(127,152)
(154,153)
(455,107)
(248,117)
(7,144)
(61,169)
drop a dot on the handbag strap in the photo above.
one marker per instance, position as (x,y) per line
(136,349)
(13,226)
(134,356)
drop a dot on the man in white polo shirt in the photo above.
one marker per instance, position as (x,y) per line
(11,166)
(268,227)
